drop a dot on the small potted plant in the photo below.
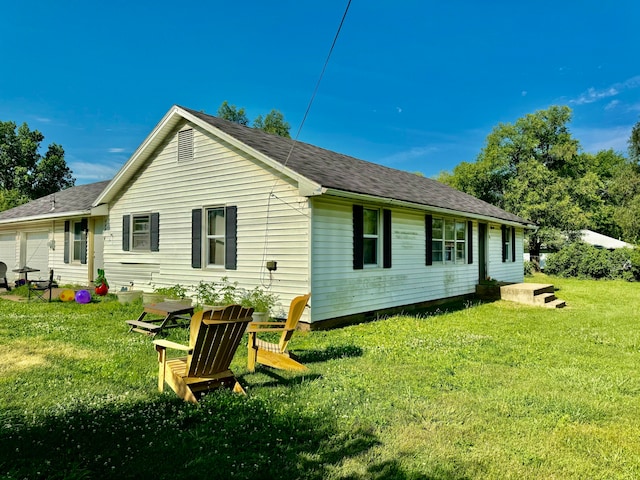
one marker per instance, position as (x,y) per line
(102,286)
(262,302)
(175,293)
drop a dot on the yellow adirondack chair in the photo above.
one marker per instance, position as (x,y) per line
(275,354)
(213,340)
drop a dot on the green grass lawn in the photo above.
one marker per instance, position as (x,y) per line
(495,390)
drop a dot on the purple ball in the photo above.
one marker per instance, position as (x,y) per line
(83,296)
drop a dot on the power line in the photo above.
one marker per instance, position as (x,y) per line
(294,140)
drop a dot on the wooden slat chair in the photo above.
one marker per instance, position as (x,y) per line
(275,354)
(213,340)
(3,276)
(40,287)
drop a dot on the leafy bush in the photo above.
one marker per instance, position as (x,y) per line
(529,268)
(176,291)
(581,260)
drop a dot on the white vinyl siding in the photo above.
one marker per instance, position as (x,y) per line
(497,269)
(218,175)
(340,290)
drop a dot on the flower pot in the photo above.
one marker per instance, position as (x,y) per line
(260,316)
(180,301)
(128,296)
(152,297)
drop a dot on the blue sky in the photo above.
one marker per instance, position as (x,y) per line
(414,85)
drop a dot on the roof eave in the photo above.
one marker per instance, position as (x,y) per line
(159,133)
(403,203)
(50,216)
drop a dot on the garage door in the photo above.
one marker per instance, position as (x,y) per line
(37,254)
(8,252)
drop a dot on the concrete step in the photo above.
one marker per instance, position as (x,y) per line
(540,294)
(544,298)
(556,304)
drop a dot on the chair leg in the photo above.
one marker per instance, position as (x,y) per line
(252,352)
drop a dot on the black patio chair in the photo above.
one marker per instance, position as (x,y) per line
(3,276)
(40,287)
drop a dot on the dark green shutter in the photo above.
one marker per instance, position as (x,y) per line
(67,228)
(84,229)
(126,223)
(428,232)
(196,238)
(504,242)
(155,232)
(231,240)
(469,241)
(513,244)
(386,238)
(358,233)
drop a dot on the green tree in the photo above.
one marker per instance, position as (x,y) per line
(11,198)
(533,168)
(233,114)
(273,122)
(24,172)
(634,143)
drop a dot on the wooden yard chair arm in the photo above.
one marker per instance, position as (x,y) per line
(263,326)
(161,344)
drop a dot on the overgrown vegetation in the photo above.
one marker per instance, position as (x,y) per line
(483,391)
(582,260)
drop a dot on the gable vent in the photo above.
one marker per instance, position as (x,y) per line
(185,145)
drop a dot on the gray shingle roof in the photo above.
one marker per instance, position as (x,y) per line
(345,173)
(74,199)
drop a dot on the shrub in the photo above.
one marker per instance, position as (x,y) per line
(529,268)
(581,260)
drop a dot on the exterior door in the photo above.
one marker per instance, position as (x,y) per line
(482,251)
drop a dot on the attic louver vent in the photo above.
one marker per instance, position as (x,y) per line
(185,145)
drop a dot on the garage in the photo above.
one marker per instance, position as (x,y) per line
(37,254)
(8,252)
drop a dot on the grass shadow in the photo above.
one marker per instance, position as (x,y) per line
(226,436)
(329,353)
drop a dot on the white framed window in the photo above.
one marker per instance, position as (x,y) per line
(449,241)
(78,242)
(215,235)
(371,236)
(141,232)
(508,236)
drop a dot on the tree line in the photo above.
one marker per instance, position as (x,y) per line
(536,169)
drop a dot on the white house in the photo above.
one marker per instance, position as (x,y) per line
(203,198)
(61,231)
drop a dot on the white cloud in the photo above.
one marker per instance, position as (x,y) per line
(594,95)
(612,104)
(43,119)
(116,150)
(93,172)
(408,155)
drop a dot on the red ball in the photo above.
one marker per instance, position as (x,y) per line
(102,289)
